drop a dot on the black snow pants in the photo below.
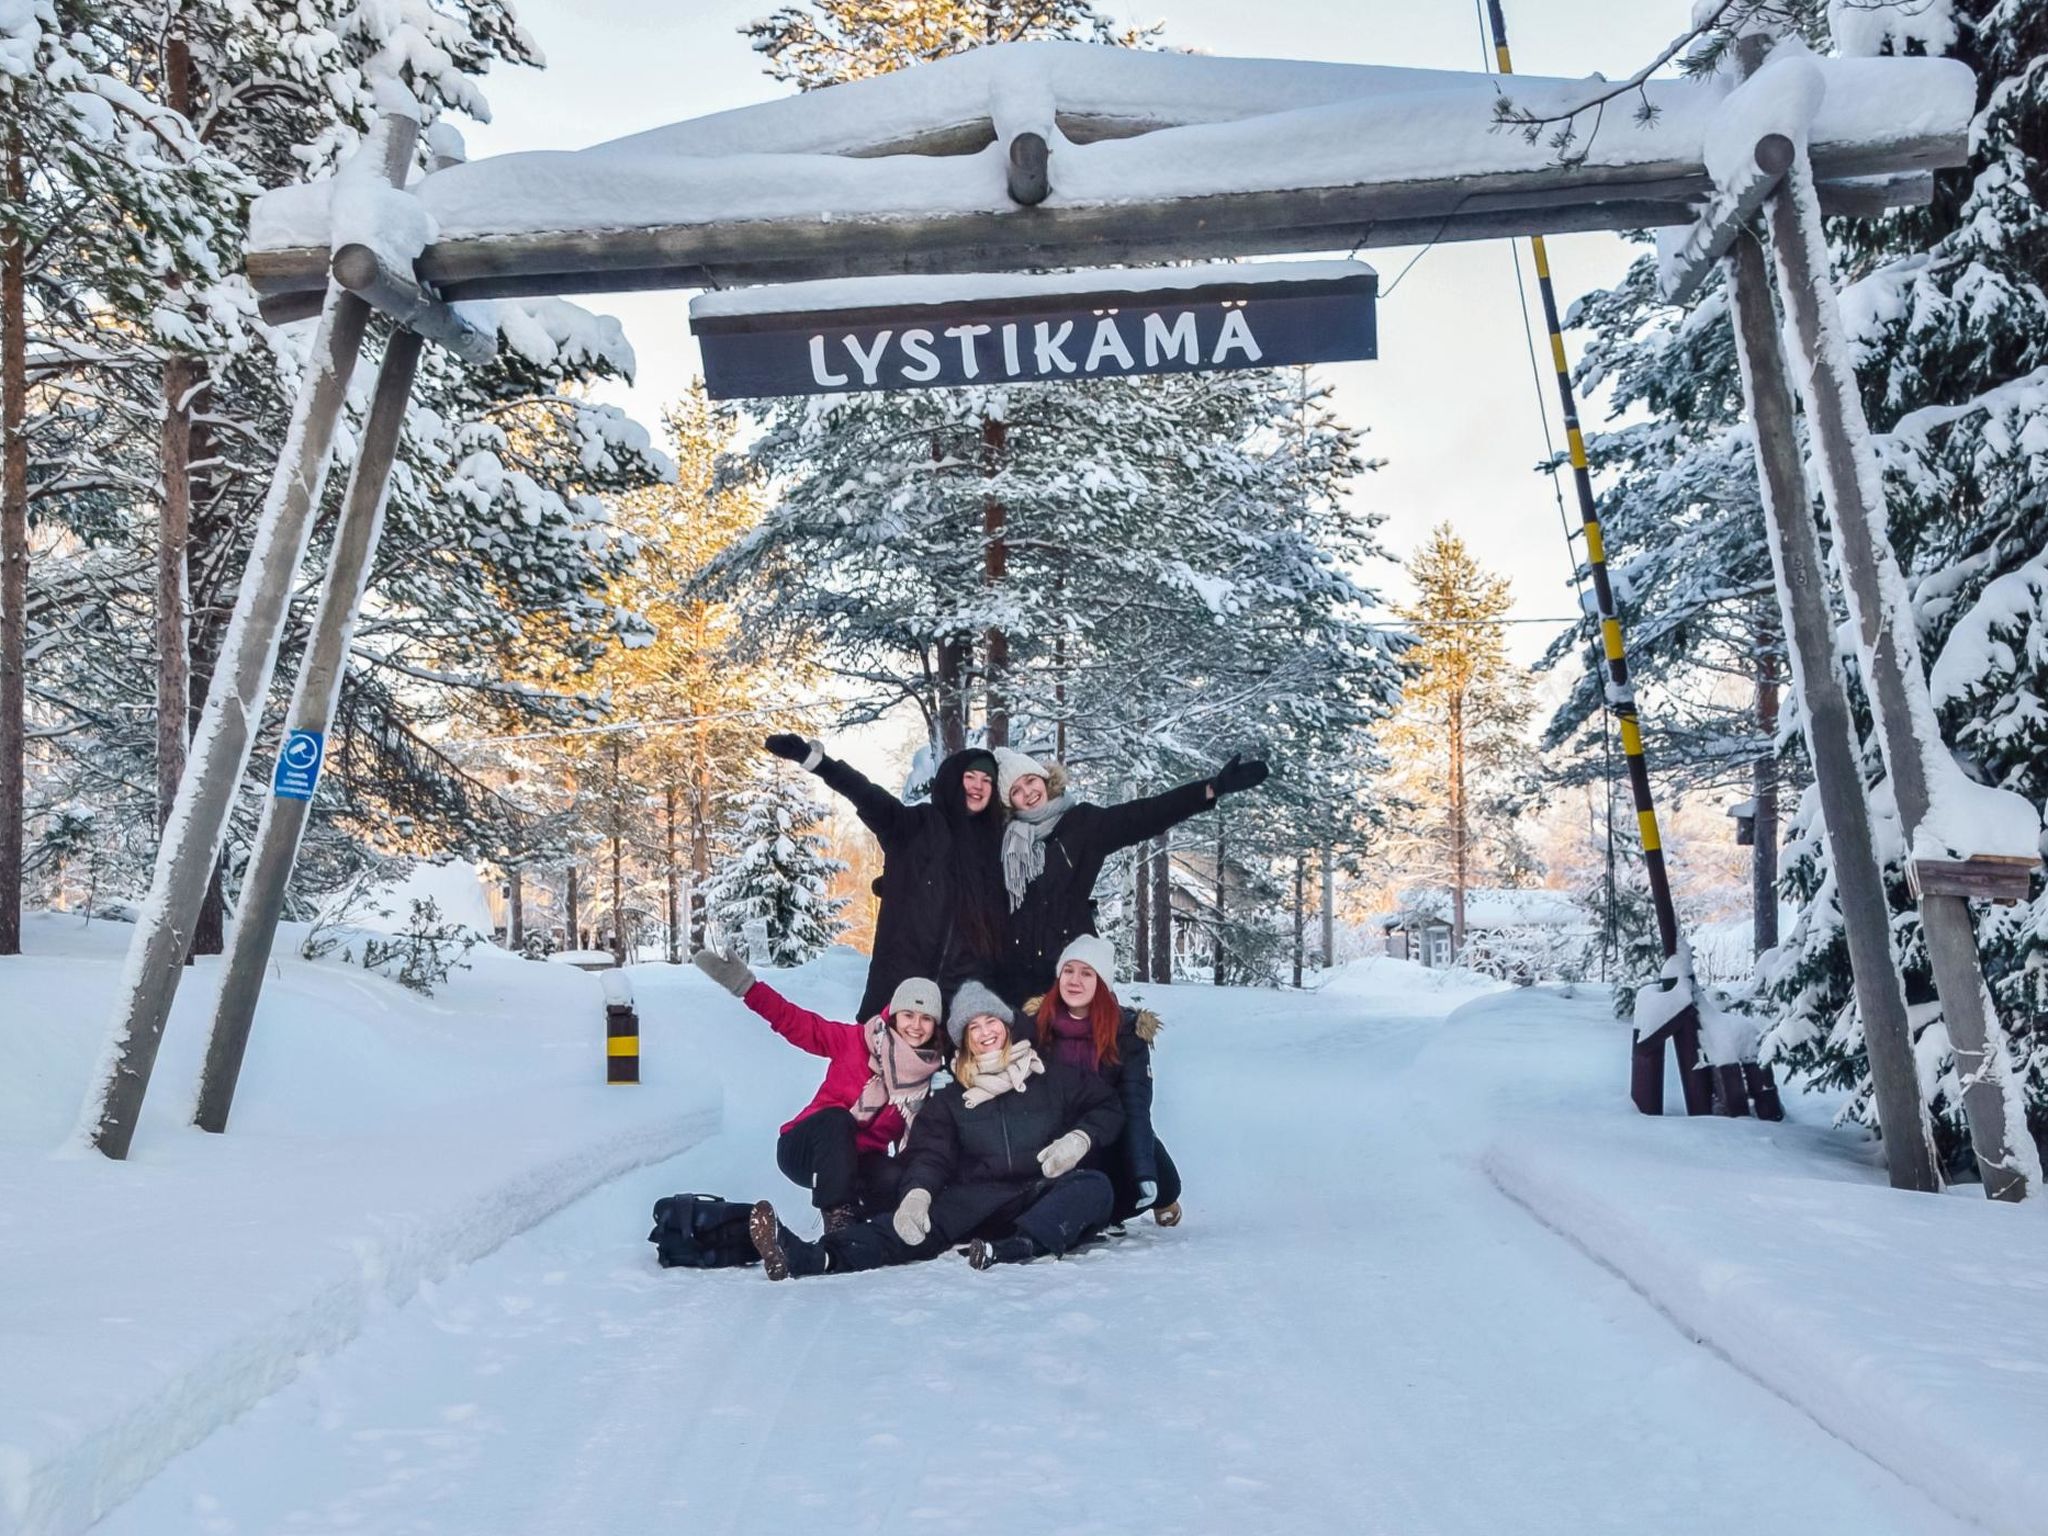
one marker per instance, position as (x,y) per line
(1054,1213)
(819,1152)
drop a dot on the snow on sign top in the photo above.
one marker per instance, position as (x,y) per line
(891,333)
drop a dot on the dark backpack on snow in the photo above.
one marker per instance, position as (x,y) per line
(701,1232)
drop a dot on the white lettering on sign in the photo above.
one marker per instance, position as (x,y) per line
(1235,333)
(969,363)
(1161,342)
(1040,349)
(1108,343)
(924,362)
(820,374)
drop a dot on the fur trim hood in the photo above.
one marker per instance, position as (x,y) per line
(1142,1022)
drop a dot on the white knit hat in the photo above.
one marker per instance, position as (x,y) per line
(918,995)
(1012,766)
(1093,951)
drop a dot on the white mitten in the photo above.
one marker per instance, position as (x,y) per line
(913,1219)
(1064,1155)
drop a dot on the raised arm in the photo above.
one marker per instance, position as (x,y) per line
(880,811)
(1126,825)
(805,1030)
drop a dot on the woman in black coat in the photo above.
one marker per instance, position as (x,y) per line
(1054,848)
(995,1156)
(942,911)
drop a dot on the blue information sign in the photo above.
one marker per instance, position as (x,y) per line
(298,766)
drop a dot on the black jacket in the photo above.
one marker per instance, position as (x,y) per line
(943,909)
(1129,1077)
(998,1142)
(1060,902)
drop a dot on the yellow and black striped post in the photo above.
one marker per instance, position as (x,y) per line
(1647,1078)
(621,1030)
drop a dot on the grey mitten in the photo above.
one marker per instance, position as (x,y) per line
(728,971)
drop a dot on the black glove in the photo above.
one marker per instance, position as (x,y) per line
(795,748)
(1238,774)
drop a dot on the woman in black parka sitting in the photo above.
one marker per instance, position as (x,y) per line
(1054,847)
(942,911)
(995,1157)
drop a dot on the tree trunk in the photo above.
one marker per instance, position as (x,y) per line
(573,937)
(515,909)
(1162,910)
(950,675)
(1763,856)
(700,845)
(1221,865)
(674,875)
(1300,913)
(1329,906)
(995,557)
(1141,883)
(618,857)
(13,553)
(1459,871)
(173,626)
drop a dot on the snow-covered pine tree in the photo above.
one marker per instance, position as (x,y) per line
(1948,310)
(1457,740)
(778,873)
(106,198)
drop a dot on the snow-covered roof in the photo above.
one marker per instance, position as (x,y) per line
(907,171)
(1491,907)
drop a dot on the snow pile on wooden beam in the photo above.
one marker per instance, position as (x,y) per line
(1128,128)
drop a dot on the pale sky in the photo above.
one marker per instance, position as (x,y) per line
(1449,403)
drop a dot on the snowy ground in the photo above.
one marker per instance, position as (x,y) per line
(1356,1330)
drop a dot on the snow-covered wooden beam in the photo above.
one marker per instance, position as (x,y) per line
(1686,262)
(1192,159)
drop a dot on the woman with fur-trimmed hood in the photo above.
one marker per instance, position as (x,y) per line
(996,1160)
(1080,1023)
(1054,847)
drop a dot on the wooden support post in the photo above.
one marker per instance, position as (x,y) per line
(1830,732)
(234,703)
(1890,653)
(312,709)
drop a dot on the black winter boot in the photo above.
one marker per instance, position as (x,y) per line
(984,1251)
(784,1255)
(839,1217)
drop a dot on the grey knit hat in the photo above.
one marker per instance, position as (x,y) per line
(918,995)
(972,1000)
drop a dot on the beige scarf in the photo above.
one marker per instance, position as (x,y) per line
(899,1073)
(998,1072)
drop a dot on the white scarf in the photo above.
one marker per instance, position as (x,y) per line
(1024,846)
(998,1072)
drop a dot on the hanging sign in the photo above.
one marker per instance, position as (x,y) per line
(894,333)
(298,766)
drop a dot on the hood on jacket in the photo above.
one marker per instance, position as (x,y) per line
(948,793)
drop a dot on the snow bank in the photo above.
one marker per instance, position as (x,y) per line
(1902,1323)
(380,1141)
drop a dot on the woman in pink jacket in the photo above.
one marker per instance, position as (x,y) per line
(876,1077)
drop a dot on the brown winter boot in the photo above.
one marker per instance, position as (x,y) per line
(1167,1215)
(838,1217)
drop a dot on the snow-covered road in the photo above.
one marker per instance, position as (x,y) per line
(1353,1332)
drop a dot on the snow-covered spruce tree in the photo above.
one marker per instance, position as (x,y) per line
(496,527)
(778,874)
(1683,524)
(1948,311)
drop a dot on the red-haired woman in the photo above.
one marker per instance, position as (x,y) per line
(1081,1023)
